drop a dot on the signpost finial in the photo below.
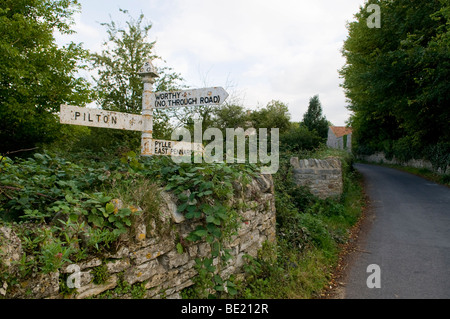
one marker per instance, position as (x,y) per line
(148,70)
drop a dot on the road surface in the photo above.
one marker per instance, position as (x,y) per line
(408,237)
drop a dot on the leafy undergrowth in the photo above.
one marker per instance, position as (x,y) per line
(65,206)
(310,232)
(71,196)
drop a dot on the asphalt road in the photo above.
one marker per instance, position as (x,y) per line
(408,237)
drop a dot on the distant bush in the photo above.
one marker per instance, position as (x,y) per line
(299,138)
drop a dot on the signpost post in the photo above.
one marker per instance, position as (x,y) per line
(148,74)
(117,120)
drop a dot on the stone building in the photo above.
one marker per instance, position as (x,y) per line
(340,137)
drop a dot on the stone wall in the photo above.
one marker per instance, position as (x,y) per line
(380,157)
(322,177)
(148,255)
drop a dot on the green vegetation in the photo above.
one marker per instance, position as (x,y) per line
(396,81)
(34,84)
(309,233)
(74,201)
(123,288)
(313,118)
(204,191)
(66,211)
(101,274)
(60,199)
(118,87)
(64,208)
(36,75)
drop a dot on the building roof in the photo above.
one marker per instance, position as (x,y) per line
(341,130)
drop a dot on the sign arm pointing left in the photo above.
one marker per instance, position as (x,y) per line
(100,118)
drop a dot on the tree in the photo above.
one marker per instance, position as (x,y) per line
(313,118)
(36,76)
(118,85)
(231,116)
(298,138)
(274,115)
(396,77)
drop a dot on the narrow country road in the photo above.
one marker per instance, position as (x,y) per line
(408,237)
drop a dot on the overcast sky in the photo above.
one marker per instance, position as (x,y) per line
(258,50)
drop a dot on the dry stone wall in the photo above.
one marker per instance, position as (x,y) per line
(380,157)
(322,177)
(148,254)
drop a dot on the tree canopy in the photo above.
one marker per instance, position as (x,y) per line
(396,78)
(36,76)
(313,118)
(118,84)
(274,115)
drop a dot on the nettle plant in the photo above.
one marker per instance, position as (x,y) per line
(205,192)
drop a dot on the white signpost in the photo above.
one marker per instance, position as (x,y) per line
(175,148)
(117,120)
(195,97)
(100,118)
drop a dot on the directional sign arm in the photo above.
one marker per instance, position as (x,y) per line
(175,148)
(195,97)
(100,118)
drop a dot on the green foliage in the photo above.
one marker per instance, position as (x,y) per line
(53,255)
(299,138)
(119,86)
(61,212)
(230,116)
(206,282)
(439,155)
(308,134)
(124,289)
(64,290)
(309,231)
(64,203)
(100,140)
(36,76)
(101,274)
(395,78)
(203,192)
(279,272)
(73,202)
(274,115)
(41,184)
(313,118)
(138,290)
(405,149)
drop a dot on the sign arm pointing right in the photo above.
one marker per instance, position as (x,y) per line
(194,97)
